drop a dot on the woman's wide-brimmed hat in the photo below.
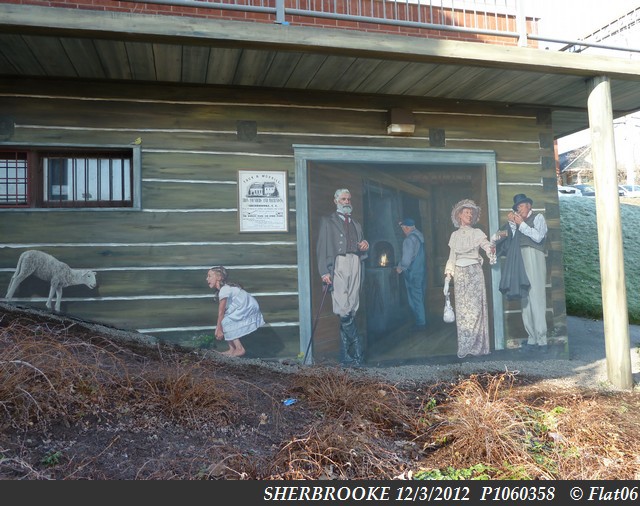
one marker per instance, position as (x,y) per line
(465,204)
(519,199)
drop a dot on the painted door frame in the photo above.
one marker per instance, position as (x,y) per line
(306,154)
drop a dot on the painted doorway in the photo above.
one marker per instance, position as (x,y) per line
(387,184)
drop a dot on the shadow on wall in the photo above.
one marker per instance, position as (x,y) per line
(265,343)
(33,287)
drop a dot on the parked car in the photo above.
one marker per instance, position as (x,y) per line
(567,191)
(630,190)
(585,190)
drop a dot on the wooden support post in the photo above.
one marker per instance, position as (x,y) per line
(614,292)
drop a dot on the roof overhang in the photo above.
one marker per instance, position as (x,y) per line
(60,43)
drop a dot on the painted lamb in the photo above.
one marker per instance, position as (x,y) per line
(48,268)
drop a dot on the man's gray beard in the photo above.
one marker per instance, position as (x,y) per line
(344,208)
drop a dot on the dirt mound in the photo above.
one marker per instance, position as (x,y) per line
(83,401)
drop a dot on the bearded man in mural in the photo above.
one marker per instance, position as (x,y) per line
(341,250)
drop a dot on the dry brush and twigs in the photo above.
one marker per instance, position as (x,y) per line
(79,404)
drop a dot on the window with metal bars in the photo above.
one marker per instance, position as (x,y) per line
(14,179)
(67,178)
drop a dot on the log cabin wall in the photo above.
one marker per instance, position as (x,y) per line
(152,263)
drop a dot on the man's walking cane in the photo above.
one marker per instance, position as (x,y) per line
(325,289)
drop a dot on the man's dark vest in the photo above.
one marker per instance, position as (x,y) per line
(525,240)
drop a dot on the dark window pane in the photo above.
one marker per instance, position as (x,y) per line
(103,180)
(14,178)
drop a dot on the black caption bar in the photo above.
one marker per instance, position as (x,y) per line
(460,492)
(508,493)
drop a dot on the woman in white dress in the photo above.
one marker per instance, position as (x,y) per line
(465,267)
(238,311)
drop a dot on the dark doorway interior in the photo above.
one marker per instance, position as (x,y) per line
(382,195)
(384,292)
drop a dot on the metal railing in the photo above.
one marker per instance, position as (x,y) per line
(500,19)
(625,27)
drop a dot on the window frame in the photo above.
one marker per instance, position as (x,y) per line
(36,153)
(18,155)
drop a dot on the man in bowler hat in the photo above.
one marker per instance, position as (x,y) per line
(528,230)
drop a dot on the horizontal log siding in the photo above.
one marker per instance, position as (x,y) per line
(54,226)
(124,256)
(180,282)
(151,264)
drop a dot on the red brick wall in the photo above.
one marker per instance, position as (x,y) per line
(407,12)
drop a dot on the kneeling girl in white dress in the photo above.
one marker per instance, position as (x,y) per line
(238,312)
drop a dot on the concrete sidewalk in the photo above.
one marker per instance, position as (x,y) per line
(583,367)
(586,338)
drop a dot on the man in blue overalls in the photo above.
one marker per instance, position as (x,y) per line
(414,267)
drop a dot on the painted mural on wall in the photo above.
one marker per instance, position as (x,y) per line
(48,268)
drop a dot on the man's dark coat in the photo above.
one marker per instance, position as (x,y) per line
(514,283)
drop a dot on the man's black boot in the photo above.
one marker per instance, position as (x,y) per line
(346,357)
(354,352)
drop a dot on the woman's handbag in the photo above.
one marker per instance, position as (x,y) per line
(449,316)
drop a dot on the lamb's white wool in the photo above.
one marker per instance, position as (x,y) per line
(48,268)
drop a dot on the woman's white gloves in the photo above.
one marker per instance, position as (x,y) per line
(446,286)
